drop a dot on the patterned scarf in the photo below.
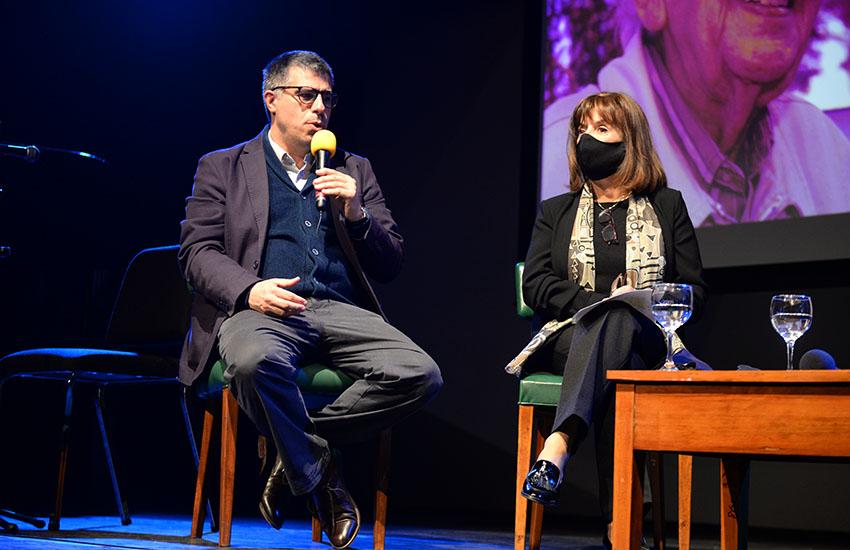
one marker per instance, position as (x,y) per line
(644,244)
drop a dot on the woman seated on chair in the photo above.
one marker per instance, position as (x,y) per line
(620,228)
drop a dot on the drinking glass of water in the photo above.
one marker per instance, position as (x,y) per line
(791,316)
(671,308)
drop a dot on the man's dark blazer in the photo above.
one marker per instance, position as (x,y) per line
(223,237)
(546,284)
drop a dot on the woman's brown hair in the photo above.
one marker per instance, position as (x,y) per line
(641,171)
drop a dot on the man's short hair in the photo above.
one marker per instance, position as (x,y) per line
(275,72)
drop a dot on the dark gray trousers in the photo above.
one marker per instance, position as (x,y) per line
(393,378)
(612,337)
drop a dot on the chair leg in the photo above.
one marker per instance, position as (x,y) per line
(686,466)
(315,529)
(196,459)
(110,463)
(656,487)
(523,462)
(637,492)
(536,531)
(381,487)
(229,423)
(200,481)
(53,523)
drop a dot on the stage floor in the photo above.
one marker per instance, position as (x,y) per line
(161,533)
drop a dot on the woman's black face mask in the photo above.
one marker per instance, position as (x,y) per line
(597,159)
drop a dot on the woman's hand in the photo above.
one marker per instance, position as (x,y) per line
(622,284)
(622,290)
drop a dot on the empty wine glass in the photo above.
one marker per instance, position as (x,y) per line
(791,316)
(671,308)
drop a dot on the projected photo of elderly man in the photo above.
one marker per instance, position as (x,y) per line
(713,77)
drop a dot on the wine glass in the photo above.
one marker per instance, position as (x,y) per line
(671,308)
(791,316)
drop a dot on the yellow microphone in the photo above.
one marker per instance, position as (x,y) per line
(323,147)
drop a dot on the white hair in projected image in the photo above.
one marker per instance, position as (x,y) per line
(823,77)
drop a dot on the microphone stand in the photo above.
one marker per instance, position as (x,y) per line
(5,251)
(9,527)
(30,154)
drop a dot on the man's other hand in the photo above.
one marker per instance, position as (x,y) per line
(272,298)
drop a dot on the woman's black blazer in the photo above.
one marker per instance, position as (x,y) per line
(546,285)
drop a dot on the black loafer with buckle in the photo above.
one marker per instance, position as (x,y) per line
(542,483)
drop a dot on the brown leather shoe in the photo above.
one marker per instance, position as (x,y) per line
(270,500)
(336,510)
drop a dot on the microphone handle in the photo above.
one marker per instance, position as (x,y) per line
(321,161)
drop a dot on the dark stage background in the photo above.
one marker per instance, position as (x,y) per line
(443,98)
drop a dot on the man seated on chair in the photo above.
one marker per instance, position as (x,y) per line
(281,282)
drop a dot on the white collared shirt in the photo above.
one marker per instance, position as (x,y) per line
(298,177)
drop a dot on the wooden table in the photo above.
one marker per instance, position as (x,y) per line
(736,415)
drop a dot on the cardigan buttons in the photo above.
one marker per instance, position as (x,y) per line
(256,264)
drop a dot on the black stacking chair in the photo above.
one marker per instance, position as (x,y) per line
(141,347)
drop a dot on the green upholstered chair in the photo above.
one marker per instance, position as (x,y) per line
(320,385)
(538,397)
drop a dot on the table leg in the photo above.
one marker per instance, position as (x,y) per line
(734,502)
(686,465)
(628,474)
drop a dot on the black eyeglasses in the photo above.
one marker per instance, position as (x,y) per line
(609,232)
(307,95)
